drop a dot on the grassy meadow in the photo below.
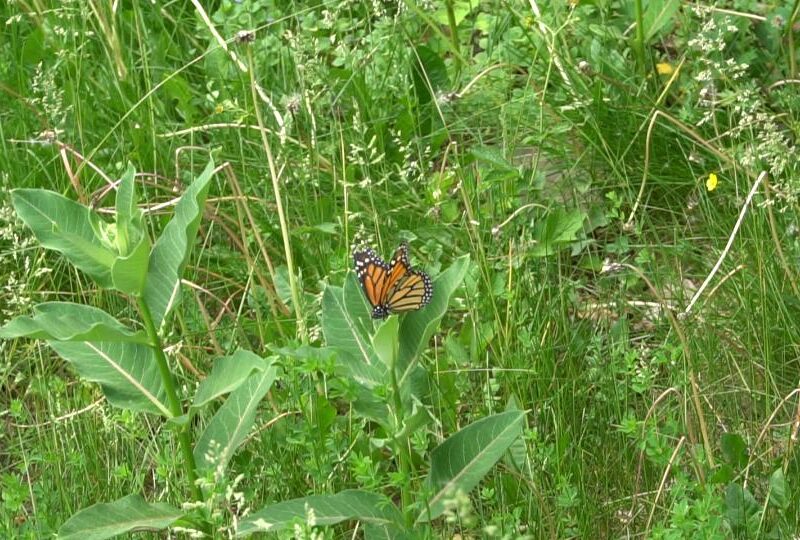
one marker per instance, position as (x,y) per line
(604,194)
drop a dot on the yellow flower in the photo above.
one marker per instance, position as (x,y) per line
(664,68)
(711,183)
(219,109)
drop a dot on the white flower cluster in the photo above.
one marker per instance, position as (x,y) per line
(48,95)
(756,138)
(365,156)
(415,163)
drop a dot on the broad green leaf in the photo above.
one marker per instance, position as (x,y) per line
(740,506)
(129,271)
(228,374)
(381,410)
(327,227)
(777,490)
(372,508)
(65,321)
(434,68)
(429,74)
(373,406)
(128,214)
(734,449)
(129,274)
(283,287)
(68,227)
(346,325)
(379,532)
(385,343)
(128,514)
(429,79)
(659,15)
(172,249)
(415,391)
(420,416)
(127,372)
(417,327)
(346,322)
(368,376)
(485,23)
(493,157)
(233,421)
(723,474)
(459,463)
(556,231)
(518,451)
(179,93)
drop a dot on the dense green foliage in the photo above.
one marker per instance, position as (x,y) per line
(569,174)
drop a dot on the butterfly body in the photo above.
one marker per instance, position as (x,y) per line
(393,287)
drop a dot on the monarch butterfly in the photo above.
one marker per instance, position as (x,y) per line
(392,287)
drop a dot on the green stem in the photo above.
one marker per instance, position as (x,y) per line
(640,35)
(790,39)
(451,20)
(401,443)
(434,27)
(276,188)
(398,400)
(405,489)
(175,408)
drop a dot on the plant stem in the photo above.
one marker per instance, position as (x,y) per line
(451,20)
(405,490)
(276,188)
(401,444)
(790,39)
(398,400)
(640,35)
(190,467)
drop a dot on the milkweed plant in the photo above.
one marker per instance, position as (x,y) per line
(129,363)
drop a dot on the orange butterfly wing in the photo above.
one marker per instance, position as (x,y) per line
(409,289)
(392,287)
(373,274)
(413,292)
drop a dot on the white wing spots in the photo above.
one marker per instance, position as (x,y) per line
(428,285)
(363,258)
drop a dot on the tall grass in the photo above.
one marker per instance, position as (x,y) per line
(436,123)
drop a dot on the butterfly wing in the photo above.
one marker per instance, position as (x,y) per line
(409,289)
(392,287)
(373,274)
(412,292)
